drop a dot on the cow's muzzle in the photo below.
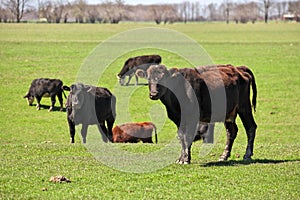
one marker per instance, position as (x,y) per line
(154,96)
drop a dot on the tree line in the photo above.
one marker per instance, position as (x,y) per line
(79,11)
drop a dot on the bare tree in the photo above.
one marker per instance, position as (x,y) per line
(212,8)
(58,10)
(114,11)
(227,8)
(267,4)
(16,7)
(197,11)
(92,13)
(79,10)
(157,13)
(294,7)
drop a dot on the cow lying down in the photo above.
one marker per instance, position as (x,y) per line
(45,87)
(134,132)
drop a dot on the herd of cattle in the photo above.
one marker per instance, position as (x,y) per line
(195,99)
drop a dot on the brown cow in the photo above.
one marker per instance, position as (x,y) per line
(134,132)
(206,95)
(138,62)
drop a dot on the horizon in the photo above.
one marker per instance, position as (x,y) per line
(149,2)
(203,2)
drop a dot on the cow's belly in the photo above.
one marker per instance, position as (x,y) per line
(46,94)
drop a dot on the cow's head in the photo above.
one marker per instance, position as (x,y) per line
(157,76)
(121,79)
(30,99)
(78,92)
(76,98)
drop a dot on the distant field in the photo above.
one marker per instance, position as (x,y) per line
(34,145)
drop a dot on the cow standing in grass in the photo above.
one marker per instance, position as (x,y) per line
(88,105)
(45,87)
(206,95)
(132,64)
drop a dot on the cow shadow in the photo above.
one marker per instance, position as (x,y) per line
(139,84)
(246,162)
(55,108)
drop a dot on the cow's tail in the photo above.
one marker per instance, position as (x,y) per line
(63,88)
(64,94)
(155,134)
(254,89)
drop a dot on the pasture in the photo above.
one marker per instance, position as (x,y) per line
(35,145)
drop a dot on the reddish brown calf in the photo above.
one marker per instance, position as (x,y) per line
(134,132)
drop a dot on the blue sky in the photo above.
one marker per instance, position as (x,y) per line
(135,2)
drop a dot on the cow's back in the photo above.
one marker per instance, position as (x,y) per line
(215,85)
(45,85)
(137,61)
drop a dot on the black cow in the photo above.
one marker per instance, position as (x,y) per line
(45,87)
(88,105)
(132,64)
(207,95)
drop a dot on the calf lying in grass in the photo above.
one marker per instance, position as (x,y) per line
(134,132)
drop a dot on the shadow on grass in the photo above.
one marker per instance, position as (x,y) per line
(133,84)
(246,162)
(44,107)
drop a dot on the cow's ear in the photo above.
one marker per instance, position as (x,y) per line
(141,73)
(90,89)
(175,74)
(173,70)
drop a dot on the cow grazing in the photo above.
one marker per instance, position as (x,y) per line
(45,87)
(134,132)
(88,105)
(132,64)
(190,94)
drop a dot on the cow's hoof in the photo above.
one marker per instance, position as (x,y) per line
(181,161)
(223,158)
(247,158)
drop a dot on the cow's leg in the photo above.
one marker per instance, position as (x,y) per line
(72,130)
(185,157)
(231,131)
(129,78)
(84,129)
(209,134)
(103,131)
(60,99)
(147,140)
(110,122)
(250,127)
(136,80)
(38,104)
(52,103)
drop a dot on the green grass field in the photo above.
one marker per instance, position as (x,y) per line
(34,145)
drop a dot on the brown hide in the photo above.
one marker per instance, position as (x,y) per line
(206,94)
(134,132)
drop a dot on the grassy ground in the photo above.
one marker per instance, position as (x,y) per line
(34,145)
